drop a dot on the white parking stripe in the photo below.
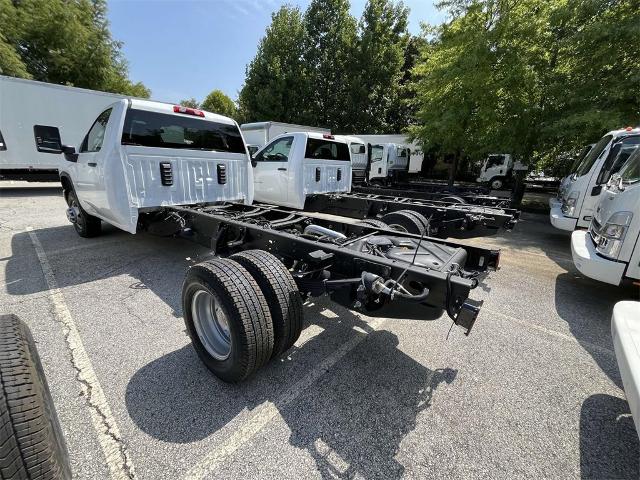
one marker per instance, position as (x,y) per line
(266,412)
(117,458)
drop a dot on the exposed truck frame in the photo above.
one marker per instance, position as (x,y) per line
(175,170)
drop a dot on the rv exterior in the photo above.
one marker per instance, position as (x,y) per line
(258,134)
(610,250)
(36,115)
(582,194)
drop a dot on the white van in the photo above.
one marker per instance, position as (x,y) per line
(583,192)
(35,115)
(610,250)
(140,155)
(295,165)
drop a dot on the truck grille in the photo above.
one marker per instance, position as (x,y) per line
(166,174)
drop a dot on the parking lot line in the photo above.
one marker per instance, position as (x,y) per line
(269,410)
(117,458)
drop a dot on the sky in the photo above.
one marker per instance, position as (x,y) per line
(183,49)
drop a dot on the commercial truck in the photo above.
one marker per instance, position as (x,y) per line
(258,134)
(582,194)
(610,250)
(388,163)
(312,172)
(147,166)
(35,114)
(556,202)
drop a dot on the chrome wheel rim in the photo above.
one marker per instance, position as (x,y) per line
(212,324)
(79,216)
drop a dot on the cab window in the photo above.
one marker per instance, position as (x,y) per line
(321,149)
(95,137)
(276,151)
(495,161)
(376,153)
(617,157)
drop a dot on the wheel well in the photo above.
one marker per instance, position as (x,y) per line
(67,186)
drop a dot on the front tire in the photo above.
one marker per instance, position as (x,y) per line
(86,225)
(31,442)
(496,183)
(227,318)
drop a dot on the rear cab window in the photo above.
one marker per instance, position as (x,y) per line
(321,149)
(163,130)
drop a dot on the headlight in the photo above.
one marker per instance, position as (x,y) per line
(569,204)
(610,237)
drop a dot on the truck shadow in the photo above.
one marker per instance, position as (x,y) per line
(609,446)
(26,192)
(352,420)
(354,417)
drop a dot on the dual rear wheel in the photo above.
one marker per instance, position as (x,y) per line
(241,312)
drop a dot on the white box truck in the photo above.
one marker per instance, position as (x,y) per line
(582,194)
(610,250)
(416,156)
(258,134)
(33,115)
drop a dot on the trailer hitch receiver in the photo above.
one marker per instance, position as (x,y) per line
(468,314)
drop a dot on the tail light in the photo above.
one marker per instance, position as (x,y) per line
(188,111)
(328,136)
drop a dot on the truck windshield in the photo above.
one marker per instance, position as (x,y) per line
(160,130)
(376,153)
(495,161)
(594,153)
(320,149)
(630,172)
(583,153)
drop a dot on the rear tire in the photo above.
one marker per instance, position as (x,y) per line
(372,222)
(31,442)
(86,225)
(282,295)
(227,318)
(404,221)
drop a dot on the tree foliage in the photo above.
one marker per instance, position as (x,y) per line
(276,85)
(64,42)
(218,102)
(530,77)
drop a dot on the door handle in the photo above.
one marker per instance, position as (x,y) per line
(282,169)
(92,164)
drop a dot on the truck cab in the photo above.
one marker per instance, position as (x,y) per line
(496,170)
(388,162)
(359,158)
(140,155)
(299,164)
(610,251)
(556,202)
(582,194)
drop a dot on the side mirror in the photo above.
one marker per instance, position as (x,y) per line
(69,153)
(596,190)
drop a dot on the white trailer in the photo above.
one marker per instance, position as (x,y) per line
(36,115)
(258,134)
(610,250)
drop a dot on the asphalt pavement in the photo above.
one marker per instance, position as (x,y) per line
(533,392)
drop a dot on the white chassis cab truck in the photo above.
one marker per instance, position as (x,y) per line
(359,158)
(388,162)
(296,165)
(610,250)
(496,170)
(582,194)
(258,134)
(556,202)
(146,166)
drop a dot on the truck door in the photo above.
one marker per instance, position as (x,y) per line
(88,180)
(378,167)
(271,172)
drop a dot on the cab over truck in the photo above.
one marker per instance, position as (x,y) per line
(312,172)
(146,166)
(610,250)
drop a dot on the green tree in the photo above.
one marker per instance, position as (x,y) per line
(218,102)
(190,102)
(63,42)
(276,85)
(379,61)
(330,44)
